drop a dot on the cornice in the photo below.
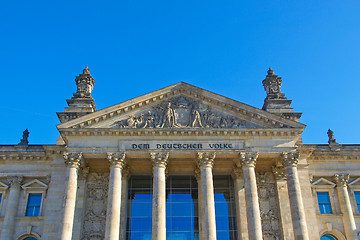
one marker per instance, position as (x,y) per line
(283,132)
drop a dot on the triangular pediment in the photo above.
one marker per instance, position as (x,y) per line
(34,184)
(323,182)
(181,106)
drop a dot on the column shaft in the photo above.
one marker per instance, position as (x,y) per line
(114,202)
(240,205)
(8,225)
(159,205)
(205,161)
(345,206)
(208,203)
(159,161)
(290,161)
(252,204)
(247,161)
(112,227)
(72,160)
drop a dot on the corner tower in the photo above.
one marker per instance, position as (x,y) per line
(81,103)
(275,101)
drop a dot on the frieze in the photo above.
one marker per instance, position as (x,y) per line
(182,112)
(180,145)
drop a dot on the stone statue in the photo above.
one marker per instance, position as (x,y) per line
(272,85)
(196,118)
(169,117)
(84,83)
(24,141)
(331,136)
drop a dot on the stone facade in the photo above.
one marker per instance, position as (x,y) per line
(184,131)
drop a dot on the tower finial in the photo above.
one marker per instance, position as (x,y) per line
(270,71)
(86,70)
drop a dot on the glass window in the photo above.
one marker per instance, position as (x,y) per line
(324,202)
(224,207)
(30,238)
(357,199)
(328,237)
(33,204)
(0,198)
(182,221)
(139,208)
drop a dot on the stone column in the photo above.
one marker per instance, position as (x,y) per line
(124,201)
(290,161)
(240,204)
(72,161)
(8,225)
(205,161)
(112,227)
(247,161)
(345,206)
(200,208)
(284,203)
(159,162)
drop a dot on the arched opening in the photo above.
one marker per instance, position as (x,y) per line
(328,237)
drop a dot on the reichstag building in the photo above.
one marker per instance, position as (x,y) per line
(180,163)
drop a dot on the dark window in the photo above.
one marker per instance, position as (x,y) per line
(357,199)
(30,238)
(324,202)
(328,237)
(33,204)
(224,207)
(182,220)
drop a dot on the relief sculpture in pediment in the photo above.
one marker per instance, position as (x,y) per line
(182,112)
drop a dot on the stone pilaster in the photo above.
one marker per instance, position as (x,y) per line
(345,206)
(284,203)
(290,161)
(200,207)
(247,160)
(112,227)
(159,162)
(124,201)
(73,162)
(8,225)
(205,162)
(240,203)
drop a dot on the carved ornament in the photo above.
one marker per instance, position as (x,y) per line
(290,159)
(342,179)
(279,173)
(182,112)
(72,159)
(205,159)
(116,159)
(247,159)
(159,159)
(15,181)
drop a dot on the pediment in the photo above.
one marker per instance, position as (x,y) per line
(180,106)
(34,184)
(323,182)
(355,183)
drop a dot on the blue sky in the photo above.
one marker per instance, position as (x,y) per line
(135,47)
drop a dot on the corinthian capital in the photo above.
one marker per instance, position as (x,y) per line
(159,159)
(247,159)
(116,159)
(290,159)
(342,179)
(236,173)
(15,181)
(279,173)
(205,159)
(73,159)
